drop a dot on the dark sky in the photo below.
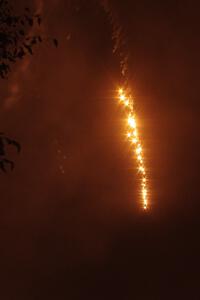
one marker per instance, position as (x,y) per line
(71,223)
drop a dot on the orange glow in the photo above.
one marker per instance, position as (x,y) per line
(133,136)
(135,133)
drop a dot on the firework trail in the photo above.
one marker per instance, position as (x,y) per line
(125,98)
(133,137)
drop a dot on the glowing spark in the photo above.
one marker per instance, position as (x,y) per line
(134,141)
(142,170)
(133,136)
(132,122)
(122,98)
(126,102)
(138,149)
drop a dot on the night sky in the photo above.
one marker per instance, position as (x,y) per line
(71,220)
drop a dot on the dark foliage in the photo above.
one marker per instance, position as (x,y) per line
(16,38)
(3,160)
(16,41)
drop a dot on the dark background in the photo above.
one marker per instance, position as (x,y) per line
(71,222)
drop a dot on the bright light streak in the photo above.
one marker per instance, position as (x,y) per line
(133,137)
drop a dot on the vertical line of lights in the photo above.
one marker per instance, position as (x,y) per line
(134,139)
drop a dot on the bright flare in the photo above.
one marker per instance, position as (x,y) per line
(122,98)
(134,139)
(132,122)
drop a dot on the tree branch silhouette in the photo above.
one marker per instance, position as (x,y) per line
(16,41)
